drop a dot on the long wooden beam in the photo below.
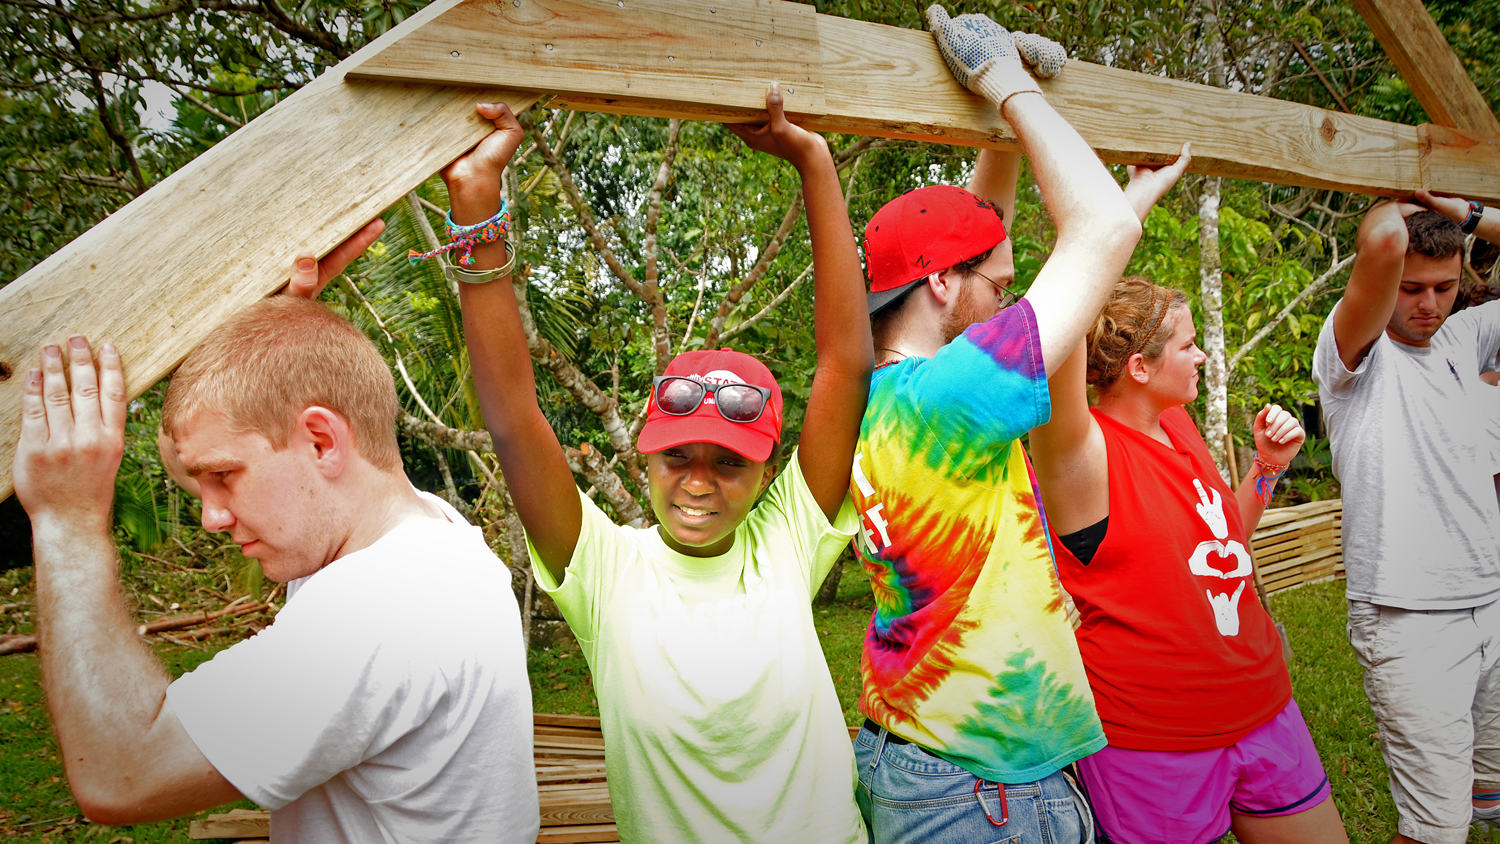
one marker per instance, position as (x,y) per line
(711,60)
(161,273)
(1426,61)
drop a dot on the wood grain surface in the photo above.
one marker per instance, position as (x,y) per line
(161,273)
(1426,61)
(866,78)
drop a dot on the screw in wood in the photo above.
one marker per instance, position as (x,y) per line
(454,54)
(549,46)
(757,42)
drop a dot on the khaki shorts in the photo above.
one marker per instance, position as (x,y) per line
(1433,680)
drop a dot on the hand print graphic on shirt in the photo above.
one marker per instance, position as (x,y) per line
(1225,605)
(1211,511)
(1227,610)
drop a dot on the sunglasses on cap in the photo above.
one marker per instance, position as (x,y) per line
(679,396)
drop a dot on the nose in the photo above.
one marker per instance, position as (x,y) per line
(699,477)
(216,517)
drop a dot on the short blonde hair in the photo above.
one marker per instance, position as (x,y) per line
(278,357)
(1137,318)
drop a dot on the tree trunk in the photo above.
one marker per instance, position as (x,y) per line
(1211,280)
(1216,374)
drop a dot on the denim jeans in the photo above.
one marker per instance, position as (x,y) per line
(909,796)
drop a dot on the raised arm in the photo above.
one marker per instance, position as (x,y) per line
(1068,453)
(994,179)
(1370,298)
(846,356)
(531,458)
(1486,222)
(127,757)
(1096,228)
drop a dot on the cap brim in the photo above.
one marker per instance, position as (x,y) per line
(668,431)
(885,297)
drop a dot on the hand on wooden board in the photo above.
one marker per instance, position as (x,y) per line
(473,179)
(780,137)
(310,276)
(72,438)
(1149,184)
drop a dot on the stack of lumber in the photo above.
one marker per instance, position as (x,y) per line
(1298,545)
(570,778)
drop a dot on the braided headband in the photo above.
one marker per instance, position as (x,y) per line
(1141,341)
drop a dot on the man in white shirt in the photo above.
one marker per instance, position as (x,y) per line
(388,701)
(1408,417)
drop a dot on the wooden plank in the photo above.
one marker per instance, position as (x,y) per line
(577,813)
(1426,61)
(161,273)
(718,54)
(1451,159)
(888,81)
(582,721)
(240,823)
(590,834)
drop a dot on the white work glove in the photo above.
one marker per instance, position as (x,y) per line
(1043,56)
(988,60)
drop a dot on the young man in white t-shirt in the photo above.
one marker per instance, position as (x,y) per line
(720,718)
(387,702)
(1408,419)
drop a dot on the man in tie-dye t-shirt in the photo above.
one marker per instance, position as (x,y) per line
(974,692)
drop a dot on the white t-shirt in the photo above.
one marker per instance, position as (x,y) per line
(387,702)
(1412,449)
(720,719)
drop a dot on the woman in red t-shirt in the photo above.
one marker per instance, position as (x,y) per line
(1153,546)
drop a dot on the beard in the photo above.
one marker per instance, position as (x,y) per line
(966,312)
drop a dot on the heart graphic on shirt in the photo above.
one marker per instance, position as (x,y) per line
(1212,551)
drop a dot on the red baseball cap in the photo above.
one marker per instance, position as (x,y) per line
(925,231)
(751,439)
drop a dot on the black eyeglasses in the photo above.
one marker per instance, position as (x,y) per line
(679,396)
(1007,298)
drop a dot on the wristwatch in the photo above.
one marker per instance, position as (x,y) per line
(1476,211)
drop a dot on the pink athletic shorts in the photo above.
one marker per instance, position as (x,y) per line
(1163,797)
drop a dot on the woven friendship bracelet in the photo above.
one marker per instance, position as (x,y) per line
(465,238)
(1270,473)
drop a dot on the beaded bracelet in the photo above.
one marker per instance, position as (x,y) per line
(468,237)
(1270,473)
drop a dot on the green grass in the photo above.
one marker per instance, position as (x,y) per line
(35,804)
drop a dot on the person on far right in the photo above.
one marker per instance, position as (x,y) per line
(1399,379)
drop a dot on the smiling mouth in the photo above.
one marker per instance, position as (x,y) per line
(694,512)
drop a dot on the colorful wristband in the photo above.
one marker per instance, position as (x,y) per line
(1270,473)
(465,238)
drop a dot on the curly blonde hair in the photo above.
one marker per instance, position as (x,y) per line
(1136,319)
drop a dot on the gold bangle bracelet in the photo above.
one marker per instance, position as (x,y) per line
(458,273)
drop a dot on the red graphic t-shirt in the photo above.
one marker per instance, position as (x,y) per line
(1180,655)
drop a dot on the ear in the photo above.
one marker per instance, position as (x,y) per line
(945,286)
(766,477)
(327,438)
(1136,369)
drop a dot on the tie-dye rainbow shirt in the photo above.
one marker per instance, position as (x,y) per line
(969,652)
